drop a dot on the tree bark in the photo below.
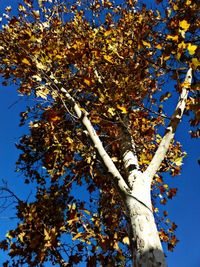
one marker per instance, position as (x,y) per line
(144,238)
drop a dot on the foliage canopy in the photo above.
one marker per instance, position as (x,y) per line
(115,60)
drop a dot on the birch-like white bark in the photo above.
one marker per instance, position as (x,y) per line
(170,131)
(145,242)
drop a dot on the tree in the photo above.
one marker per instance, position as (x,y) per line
(100,75)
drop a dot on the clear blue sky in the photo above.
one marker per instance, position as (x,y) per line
(183,209)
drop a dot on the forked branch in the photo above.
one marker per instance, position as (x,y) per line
(82,115)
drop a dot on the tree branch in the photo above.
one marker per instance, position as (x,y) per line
(83,116)
(170,131)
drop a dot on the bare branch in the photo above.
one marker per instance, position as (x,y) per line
(170,131)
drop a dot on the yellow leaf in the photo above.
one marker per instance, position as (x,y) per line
(26,61)
(166,58)
(195,63)
(188,2)
(178,55)
(144,159)
(77,236)
(140,18)
(108,32)
(146,44)
(69,140)
(126,240)
(123,109)
(9,235)
(40,66)
(111,111)
(116,246)
(178,161)
(58,57)
(63,228)
(46,235)
(88,81)
(37,78)
(191,48)
(108,58)
(181,45)
(175,7)
(166,186)
(43,92)
(159,46)
(21,237)
(70,222)
(172,37)
(184,24)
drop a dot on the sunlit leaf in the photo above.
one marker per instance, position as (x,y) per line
(77,236)
(184,25)
(195,63)
(26,61)
(123,109)
(147,44)
(111,111)
(42,92)
(191,48)
(172,37)
(108,58)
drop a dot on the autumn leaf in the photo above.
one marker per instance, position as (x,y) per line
(184,25)
(172,192)
(123,109)
(107,33)
(126,240)
(159,46)
(77,236)
(21,237)
(163,236)
(26,61)
(108,58)
(42,92)
(88,81)
(172,37)
(46,235)
(41,66)
(191,48)
(195,63)
(111,111)
(147,44)
(178,161)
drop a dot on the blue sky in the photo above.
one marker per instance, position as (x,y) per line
(183,209)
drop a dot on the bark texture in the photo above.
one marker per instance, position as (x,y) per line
(145,241)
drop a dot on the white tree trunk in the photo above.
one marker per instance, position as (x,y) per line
(144,238)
